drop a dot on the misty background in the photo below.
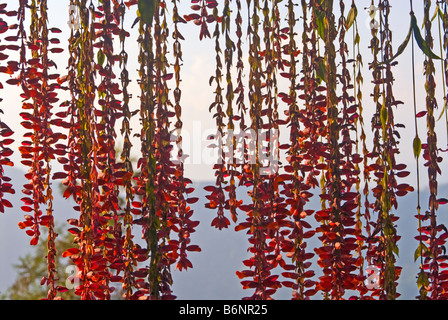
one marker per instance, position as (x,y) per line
(213,275)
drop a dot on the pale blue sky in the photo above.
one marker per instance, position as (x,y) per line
(199,65)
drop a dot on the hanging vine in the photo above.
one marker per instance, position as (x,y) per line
(291,72)
(385,167)
(434,285)
(130,259)
(82,170)
(5,131)
(40,147)
(363,213)
(298,189)
(161,183)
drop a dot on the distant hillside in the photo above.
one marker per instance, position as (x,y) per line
(14,243)
(213,275)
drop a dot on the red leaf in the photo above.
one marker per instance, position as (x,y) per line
(6,203)
(60,175)
(12,81)
(244,274)
(242,226)
(193,16)
(194,248)
(116,278)
(120,174)
(34,241)
(56,50)
(136,204)
(290,284)
(309,234)
(421,114)
(291,275)
(210,188)
(192,200)
(349,195)
(310,292)
(74,231)
(402,174)
(55,30)
(26,209)
(7,142)
(248,284)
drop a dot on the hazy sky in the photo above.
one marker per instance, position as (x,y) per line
(199,65)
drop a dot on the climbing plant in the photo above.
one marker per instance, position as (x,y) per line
(291,68)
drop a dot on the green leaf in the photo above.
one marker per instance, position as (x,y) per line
(403,46)
(384,116)
(422,280)
(101,57)
(437,12)
(420,41)
(417,147)
(357,38)
(320,20)
(321,71)
(353,13)
(146,10)
(443,110)
(441,14)
(420,250)
(77,43)
(395,249)
(414,29)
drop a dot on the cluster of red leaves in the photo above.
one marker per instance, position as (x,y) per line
(5,131)
(41,144)
(382,240)
(305,150)
(164,191)
(128,243)
(39,94)
(322,145)
(202,17)
(86,173)
(92,174)
(337,217)
(433,276)
(217,197)
(321,121)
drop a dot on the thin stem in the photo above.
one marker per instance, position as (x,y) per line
(416,157)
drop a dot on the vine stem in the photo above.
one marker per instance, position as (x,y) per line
(416,137)
(444,110)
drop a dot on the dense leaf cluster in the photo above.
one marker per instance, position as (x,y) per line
(321,110)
